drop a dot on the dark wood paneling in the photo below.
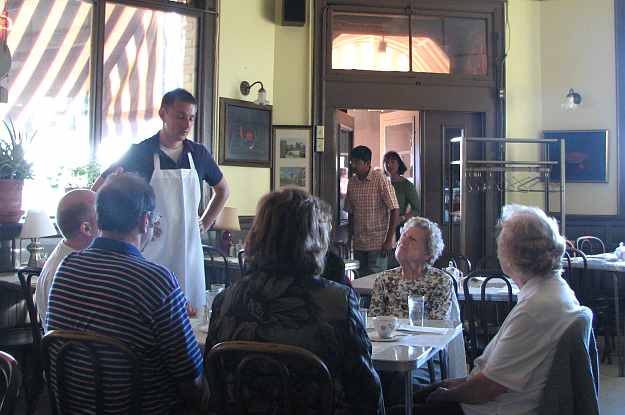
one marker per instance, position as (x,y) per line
(611,231)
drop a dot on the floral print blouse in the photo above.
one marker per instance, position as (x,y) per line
(313,313)
(391,291)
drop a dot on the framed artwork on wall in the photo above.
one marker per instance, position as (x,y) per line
(586,155)
(292,157)
(245,135)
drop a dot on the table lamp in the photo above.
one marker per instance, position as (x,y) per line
(227,221)
(36,225)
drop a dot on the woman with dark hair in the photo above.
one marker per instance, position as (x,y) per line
(282,299)
(406,192)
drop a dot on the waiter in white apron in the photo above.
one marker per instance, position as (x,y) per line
(176,167)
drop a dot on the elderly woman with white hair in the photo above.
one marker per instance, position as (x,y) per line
(420,245)
(511,374)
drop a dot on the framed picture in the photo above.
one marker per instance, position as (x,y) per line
(292,157)
(586,155)
(244,133)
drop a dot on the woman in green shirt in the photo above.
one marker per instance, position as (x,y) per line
(405,191)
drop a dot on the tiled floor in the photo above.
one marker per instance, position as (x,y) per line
(611,394)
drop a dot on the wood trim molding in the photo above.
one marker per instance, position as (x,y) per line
(619,28)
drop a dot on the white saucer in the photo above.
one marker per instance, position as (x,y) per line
(375,338)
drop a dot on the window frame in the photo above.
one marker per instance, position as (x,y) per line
(206,12)
(488,80)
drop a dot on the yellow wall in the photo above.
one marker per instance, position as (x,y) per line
(578,52)
(574,40)
(523,87)
(252,48)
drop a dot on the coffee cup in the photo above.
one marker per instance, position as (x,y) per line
(385,326)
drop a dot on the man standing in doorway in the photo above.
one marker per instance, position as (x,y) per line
(373,213)
(175,168)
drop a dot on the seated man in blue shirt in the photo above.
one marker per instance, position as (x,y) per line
(111,289)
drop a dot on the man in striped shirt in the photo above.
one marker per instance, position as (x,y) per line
(111,289)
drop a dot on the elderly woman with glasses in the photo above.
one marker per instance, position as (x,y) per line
(282,299)
(420,245)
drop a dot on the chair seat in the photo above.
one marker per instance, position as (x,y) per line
(16,337)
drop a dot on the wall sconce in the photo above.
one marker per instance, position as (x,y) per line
(245,88)
(572,101)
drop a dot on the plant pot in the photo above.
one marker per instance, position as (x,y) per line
(11,200)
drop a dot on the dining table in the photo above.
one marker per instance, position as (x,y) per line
(410,347)
(615,267)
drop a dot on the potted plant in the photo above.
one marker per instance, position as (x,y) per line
(14,169)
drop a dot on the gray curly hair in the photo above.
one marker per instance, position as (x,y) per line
(434,243)
(534,245)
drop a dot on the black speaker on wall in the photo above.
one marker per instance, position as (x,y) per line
(293,12)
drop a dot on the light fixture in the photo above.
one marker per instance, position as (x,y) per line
(245,88)
(227,221)
(36,225)
(572,100)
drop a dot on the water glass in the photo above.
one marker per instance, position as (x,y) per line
(208,304)
(416,309)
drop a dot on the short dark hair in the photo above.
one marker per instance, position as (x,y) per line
(361,153)
(290,234)
(122,201)
(178,94)
(394,155)
(71,217)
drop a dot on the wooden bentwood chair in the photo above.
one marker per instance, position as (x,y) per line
(267,378)
(60,347)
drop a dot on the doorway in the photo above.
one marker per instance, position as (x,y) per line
(425,142)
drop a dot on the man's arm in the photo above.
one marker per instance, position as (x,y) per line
(390,232)
(476,389)
(221,192)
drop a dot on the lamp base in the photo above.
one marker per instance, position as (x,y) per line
(37,258)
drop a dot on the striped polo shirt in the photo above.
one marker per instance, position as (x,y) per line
(110,289)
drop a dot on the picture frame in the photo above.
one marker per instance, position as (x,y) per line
(586,155)
(245,133)
(292,157)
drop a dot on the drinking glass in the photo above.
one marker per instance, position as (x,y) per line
(208,304)
(416,309)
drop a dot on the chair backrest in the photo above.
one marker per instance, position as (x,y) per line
(461,262)
(61,348)
(11,381)
(268,378)
(241,258)
(217,262)
(25,276)
(575,279)
(572,385)
(590,245)
(483,317)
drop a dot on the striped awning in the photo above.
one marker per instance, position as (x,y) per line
(50,42)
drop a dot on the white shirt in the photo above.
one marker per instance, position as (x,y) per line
(44,282)
(173,153)
(519,357)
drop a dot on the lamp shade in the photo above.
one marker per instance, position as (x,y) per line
(228,220)
(37,225)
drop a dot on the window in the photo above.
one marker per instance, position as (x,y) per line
(415,43)
(52,81)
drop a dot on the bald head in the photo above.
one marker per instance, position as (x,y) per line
(75,209)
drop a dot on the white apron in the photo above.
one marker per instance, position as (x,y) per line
(179,248)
